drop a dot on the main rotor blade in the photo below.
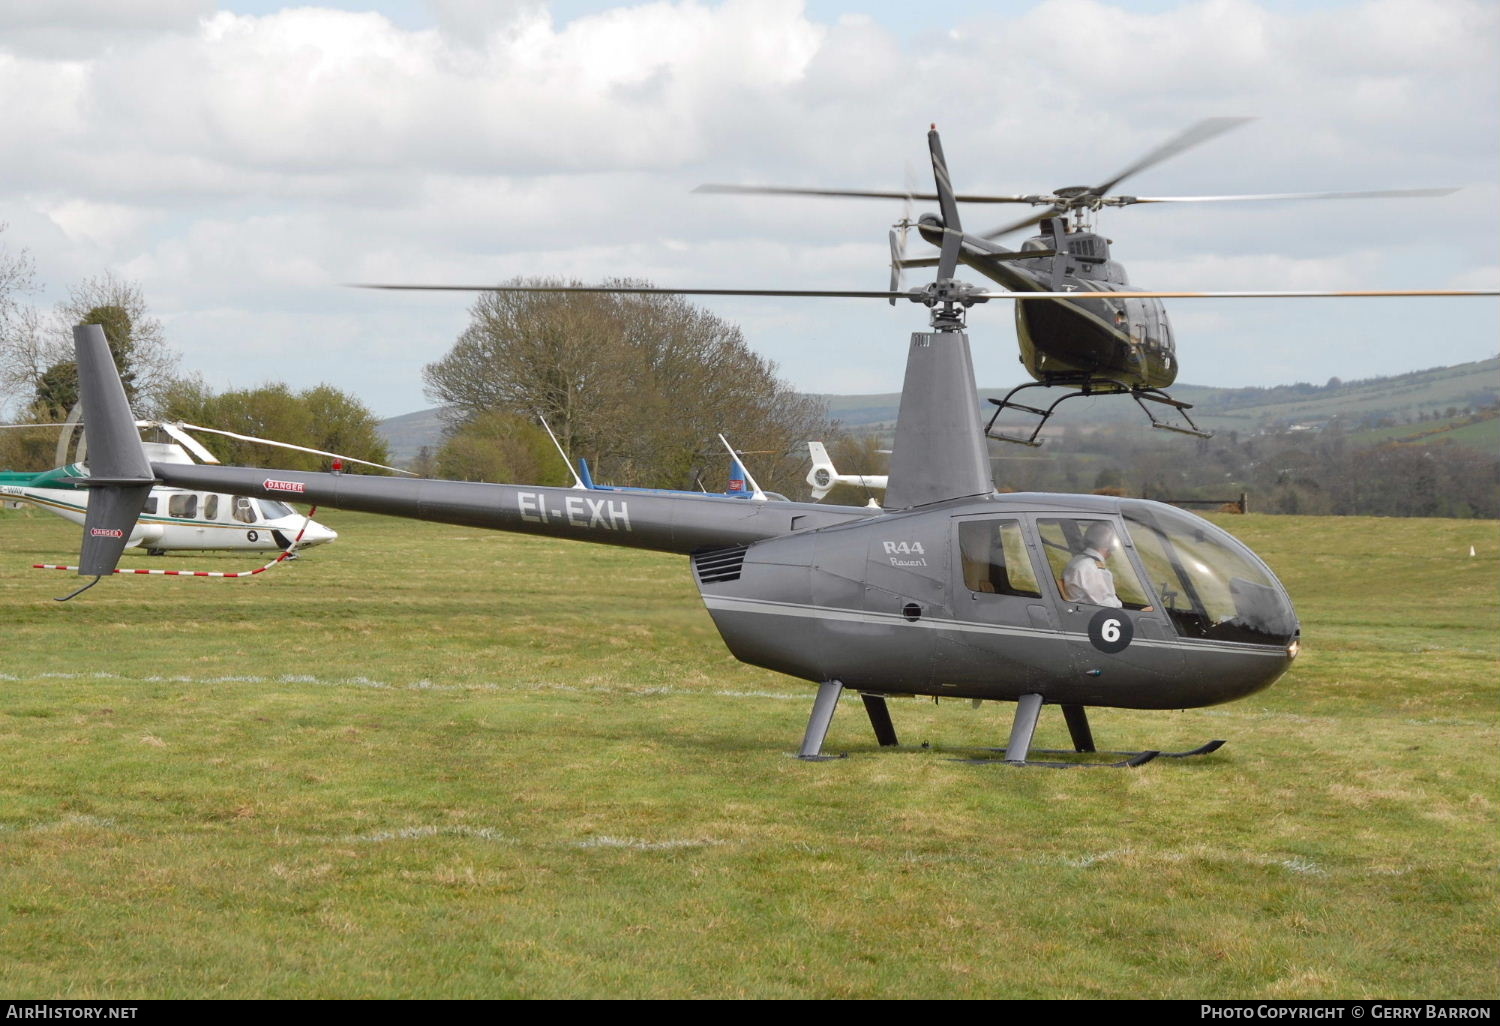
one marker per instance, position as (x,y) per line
(916,295)
(639,291)
(1368,194)
(953,239)
(184,439)
(298,448)
(1025,222)
(1301,294)
(1194,136)
(1025,254)
(792,190)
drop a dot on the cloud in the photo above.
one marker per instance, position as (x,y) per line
(242,165)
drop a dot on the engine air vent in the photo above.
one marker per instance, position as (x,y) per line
(719,565)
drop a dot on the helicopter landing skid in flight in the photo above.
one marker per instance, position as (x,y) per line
(1091,386)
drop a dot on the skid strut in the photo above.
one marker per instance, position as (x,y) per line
(817,724)
(1084,387)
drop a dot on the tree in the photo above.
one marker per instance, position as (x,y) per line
(18,324)
(136,339)
(319,418)
(642,385)
(497,446)
(36,361)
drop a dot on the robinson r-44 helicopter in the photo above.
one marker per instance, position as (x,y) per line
(1101,335)
(950,590)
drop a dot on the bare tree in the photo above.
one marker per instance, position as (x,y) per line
(136,337)
(19,327)
(643,385)
(36,365)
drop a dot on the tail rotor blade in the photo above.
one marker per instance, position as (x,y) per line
(898,248)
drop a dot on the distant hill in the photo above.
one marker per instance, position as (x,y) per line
(1414,401)
(406,435)
(1433,403)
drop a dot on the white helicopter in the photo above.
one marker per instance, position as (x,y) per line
(822,477)
(178,519)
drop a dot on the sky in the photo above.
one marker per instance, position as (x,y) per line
(241,161)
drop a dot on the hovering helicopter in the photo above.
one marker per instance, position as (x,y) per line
(950,590)
(1116,342)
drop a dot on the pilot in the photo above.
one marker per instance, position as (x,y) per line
(1087,579)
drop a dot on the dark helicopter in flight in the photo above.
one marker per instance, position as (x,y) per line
(1119,343)
(950,590)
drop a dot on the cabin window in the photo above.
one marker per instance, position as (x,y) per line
(1066,539)
(244,510)
(150,506)
(994,558)
(210,507)
(1210,585)
(185,506)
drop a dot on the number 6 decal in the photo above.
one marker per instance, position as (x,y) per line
(1110,631)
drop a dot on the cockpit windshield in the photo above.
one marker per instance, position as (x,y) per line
(271,509)
(1210,585)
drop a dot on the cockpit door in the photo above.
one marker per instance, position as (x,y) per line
(1003,630)
(1128,645)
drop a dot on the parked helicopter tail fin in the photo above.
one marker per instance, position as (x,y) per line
(822,477)
(119,473)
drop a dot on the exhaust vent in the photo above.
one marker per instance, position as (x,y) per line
(719,565)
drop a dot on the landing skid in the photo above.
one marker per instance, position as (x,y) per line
(1084,387)
(1136,759)
(1130,759)
(1018,752)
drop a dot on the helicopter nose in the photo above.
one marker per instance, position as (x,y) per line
(317,534)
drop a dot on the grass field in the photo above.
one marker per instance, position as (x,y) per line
(429,761)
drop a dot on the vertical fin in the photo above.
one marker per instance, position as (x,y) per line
(822,477)
(755,493)
(120,476)
(940,452)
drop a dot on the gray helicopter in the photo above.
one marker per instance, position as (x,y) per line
(951,590)
(1116,342)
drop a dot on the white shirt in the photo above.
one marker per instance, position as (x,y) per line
(1088,580)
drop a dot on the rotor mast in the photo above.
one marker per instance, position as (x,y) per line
(940,451)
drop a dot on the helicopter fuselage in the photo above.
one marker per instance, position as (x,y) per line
(969,599)
(1070,342)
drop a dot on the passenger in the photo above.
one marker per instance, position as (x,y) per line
(1087,578)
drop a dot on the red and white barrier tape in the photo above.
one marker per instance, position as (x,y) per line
(287,554)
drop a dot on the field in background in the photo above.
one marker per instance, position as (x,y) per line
(431,761)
